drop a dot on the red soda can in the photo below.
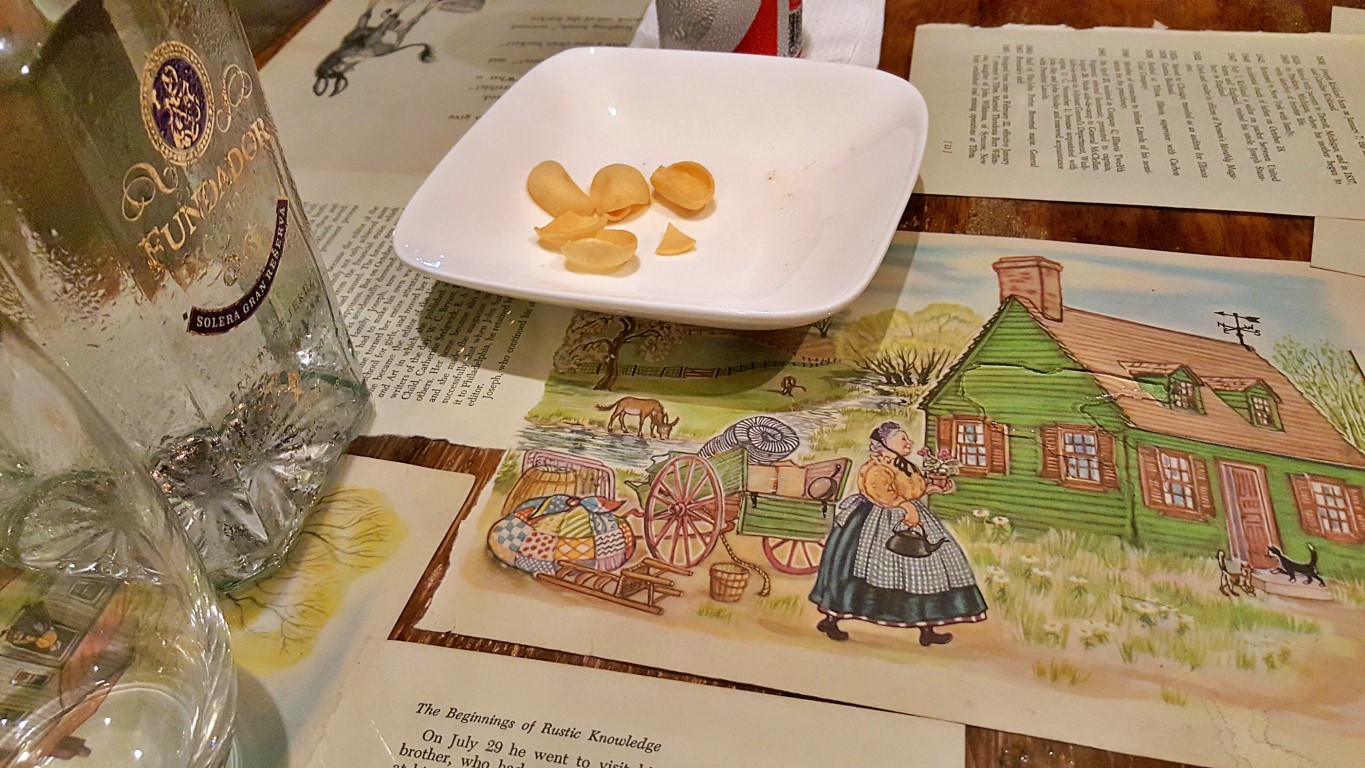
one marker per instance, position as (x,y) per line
(766,27)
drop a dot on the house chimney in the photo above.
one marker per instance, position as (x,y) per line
(1034,279)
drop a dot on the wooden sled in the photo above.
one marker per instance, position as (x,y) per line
(641,586)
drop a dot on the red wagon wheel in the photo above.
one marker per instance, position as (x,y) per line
(799,557)
(684,511)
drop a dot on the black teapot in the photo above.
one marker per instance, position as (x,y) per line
(912,542)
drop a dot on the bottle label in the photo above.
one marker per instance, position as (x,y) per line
(177,102)
(182,117)
(211,321)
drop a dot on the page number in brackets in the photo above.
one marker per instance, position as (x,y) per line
(947,147)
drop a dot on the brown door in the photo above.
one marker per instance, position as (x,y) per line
(1251,522)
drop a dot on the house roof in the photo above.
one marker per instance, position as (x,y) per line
(1150,369)
(1232,383)
(1102,344)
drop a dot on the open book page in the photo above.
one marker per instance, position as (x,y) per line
(1350,21)
(388,86)
(1336,241)
(296,632)
(1084,493)
(1336,245)
(1223,120)
(368,98)
(441,361)
(414,706)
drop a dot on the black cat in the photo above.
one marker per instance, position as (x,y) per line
(1292,569)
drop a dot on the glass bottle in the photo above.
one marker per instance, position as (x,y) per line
(151,241)
(112,648)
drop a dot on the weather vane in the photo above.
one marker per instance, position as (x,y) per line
(1240,325)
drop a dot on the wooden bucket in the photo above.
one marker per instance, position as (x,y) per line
(540,481)
(728,581)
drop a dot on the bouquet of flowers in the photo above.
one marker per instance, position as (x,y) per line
(938,465)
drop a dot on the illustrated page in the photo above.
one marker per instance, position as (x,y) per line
(1224,120)
(1016,484)
(296,632)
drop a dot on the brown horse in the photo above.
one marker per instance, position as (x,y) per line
(645,410)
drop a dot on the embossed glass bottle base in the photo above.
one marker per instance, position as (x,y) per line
(243,490)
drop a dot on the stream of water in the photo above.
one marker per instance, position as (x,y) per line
(629,451)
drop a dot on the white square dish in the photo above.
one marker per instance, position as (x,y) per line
(814,163)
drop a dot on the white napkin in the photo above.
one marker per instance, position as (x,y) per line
(846,31)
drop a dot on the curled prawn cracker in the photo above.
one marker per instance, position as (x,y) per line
(674,242)
(687,185)
(552,189)
(602,252)
(570,226)
(618,190)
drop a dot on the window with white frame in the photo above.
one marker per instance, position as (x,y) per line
(970,443)
(1333,507)
(1184,394)
(1177,480)
(1080,456)
(1262,412)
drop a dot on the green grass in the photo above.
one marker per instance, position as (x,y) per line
(1349,591)
(851,437)
(1058,672)
(716,613)
(1097,595)
(1173,696)
(508,472)
(1244,617)
(784,605)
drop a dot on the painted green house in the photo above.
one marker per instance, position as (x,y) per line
(1065,418)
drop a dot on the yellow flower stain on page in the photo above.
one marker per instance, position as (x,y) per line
(276,621)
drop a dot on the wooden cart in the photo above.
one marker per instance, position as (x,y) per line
(642,586)
(690,501)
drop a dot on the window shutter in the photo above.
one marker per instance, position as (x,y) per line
(1149,472)
(1357,497)
(997,449)
(946,434)
(1051,438)
(1205,489)
(1303,499)
(1109,471)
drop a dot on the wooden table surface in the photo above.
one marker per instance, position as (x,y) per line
(1210,232)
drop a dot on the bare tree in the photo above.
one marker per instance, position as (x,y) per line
(593,337)
(824,325)
(351,531)
(1331,378)
(909,349)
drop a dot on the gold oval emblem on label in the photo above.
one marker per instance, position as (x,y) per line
(177,103)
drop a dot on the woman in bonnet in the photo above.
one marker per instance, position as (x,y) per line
(861,578)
